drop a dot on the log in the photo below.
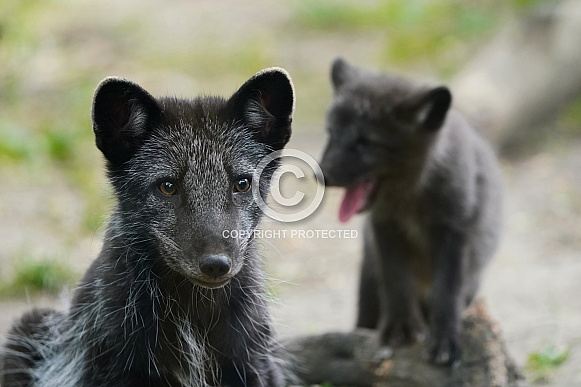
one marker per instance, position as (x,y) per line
(519,82)
(350,359)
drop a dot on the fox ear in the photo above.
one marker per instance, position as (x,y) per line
(123,114)
(265,103)
(432,108)
(340,72)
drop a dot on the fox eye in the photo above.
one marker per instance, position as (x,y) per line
(242,185)
(168,188)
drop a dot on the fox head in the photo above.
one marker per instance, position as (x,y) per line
(182,170)
(380,127)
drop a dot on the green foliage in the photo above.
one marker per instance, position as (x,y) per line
(543,363)
(392,15)
(21,145)
(571,117)
(413,29)
(524,4)
(438,31)
(11,12)
(59,145)
(31,276)
(233,58)
(455,15)
(15,143)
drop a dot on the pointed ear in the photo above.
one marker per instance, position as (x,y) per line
(340,72)
(123,114)
(432,108)
(265,104)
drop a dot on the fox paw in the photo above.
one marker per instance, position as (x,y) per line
(443,351)
(402,331)
(382,354)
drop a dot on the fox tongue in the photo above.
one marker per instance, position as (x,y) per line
(353,201)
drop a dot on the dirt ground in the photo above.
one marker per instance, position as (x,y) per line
(533,286)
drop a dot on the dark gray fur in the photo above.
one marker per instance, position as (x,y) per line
(434,216)
(169,301)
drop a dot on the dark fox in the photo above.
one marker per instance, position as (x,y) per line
(432,190)
(169,301)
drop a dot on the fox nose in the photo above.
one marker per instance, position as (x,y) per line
(215,266)
(328,175)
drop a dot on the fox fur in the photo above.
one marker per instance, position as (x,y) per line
(169,301)
(432,193)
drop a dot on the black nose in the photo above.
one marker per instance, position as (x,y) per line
(215,266)
(327,174)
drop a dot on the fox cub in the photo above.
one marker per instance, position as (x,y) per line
(169,301)
(432,190)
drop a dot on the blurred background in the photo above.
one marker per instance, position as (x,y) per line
(511,66)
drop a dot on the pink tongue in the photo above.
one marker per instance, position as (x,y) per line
(352,202)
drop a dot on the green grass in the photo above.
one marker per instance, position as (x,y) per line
(232,59)
(16,144)
(48,276)
(455,16)
(439,32)
(543,363)
(571,117)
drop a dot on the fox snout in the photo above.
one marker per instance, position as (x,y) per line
(325,166)
(333,177)
(209,261)
(215,266)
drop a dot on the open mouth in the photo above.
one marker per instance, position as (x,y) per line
(356,199)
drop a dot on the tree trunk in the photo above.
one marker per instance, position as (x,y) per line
(349,359)
(523,78)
